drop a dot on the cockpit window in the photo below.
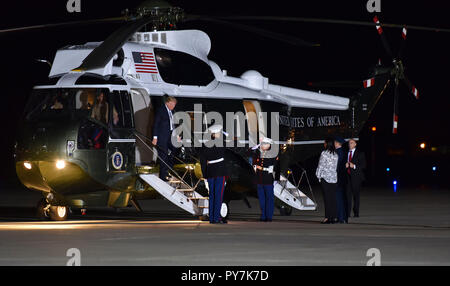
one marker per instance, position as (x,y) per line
(59,102)
(182,69)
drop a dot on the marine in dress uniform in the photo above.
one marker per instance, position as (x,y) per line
(215,171)
(267,170)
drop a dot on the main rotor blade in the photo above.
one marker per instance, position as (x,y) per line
(395,119)
(102,54)
(383,37)
(65,24)
(332,21)
(261,32)
(412,89)
(402,45)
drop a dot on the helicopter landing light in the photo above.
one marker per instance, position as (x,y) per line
(27,165)
(60,164)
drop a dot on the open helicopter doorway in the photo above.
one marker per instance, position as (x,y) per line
(256,123)
(143,122)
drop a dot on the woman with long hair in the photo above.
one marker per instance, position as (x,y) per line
(327,174)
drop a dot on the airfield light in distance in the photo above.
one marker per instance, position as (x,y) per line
(422,145)
(388,169)
(395,186)
(374,128)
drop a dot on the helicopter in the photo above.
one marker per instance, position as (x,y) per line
(79,160)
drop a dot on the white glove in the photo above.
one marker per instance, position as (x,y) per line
(256,147)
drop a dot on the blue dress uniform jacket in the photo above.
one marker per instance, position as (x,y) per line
(264,177)
(264,181)
(214,170)
(212,161)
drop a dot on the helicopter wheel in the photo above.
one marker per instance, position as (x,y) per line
(58,213)
(285,210)
(42,209)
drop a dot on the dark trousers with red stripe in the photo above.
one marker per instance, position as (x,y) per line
(266,201)
(216,189)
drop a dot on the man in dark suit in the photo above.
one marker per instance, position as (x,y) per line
(341,191)
(356,163)
(162,135)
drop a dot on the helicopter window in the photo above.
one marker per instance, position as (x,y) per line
(100,109)
(182,69)
(121,111)
(84,99)
(61,102)
(91,136)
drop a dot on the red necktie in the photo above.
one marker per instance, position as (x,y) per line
(349,159)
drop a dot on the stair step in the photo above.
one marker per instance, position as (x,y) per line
(185,190)
(199,198)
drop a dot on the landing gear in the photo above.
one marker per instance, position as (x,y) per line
(58,213)
(44,210)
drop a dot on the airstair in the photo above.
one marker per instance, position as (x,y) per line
(176,189)
(291,195)
(185,196)
(179,193)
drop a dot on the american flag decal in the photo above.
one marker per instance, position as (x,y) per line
(144,62)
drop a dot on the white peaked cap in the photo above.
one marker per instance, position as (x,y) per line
(215,128)
(267,140)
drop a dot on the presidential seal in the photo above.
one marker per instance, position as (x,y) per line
(117,160)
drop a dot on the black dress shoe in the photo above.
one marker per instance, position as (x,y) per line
(262,219)
(268,220)
(356,215)
(325,221)
(223,222)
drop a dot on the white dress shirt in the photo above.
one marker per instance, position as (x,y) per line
(353,154)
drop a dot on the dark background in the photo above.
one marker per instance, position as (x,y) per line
(346,53)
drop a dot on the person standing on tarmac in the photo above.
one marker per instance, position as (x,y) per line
(267,170)
(214,170)
(341,194)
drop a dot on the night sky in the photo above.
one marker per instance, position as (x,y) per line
(346,53)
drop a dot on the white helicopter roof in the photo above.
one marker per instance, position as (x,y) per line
(139,66)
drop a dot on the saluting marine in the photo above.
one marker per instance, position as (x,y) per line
(214,170)
(267,170)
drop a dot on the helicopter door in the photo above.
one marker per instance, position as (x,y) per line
(255,120)
(143,122)
(121,142)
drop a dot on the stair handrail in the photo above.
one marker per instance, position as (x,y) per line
(136,133)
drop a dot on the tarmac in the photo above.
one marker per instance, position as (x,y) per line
(408,227)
